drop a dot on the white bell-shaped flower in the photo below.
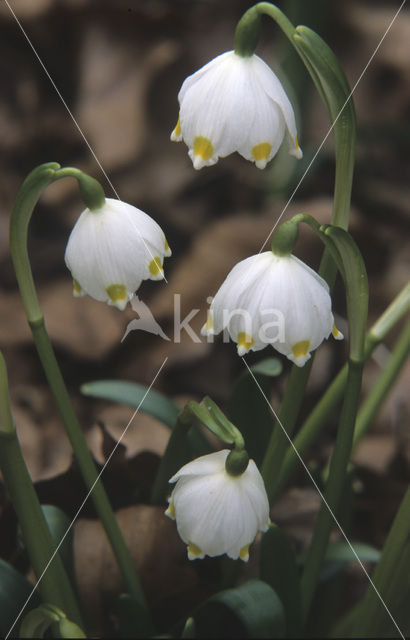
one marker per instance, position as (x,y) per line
(277,300)
(235,103)
(111,250)
(216,512)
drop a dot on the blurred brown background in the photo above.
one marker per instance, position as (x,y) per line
(119,65)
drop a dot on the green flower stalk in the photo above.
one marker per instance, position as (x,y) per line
(27,198)
(329,79)
(54,585)
(350,263)
(371,614)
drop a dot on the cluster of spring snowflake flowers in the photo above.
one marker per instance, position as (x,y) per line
(233,103)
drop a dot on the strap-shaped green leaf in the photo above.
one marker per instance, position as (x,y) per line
(131,618)
(278,567)
(334,90)
(252,610)
(58,522)
(252,417)
(154,403)
(340,554)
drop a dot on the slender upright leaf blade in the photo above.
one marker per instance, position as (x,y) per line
(131,618)
(278,567)
(58,523)
(248,410)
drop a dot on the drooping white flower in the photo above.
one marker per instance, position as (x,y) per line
(235,103)
(111,250)
(215,512)
(277,300)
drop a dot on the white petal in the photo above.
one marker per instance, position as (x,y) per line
(210,463)
(275,90)
(233,293)
(194,77)
(266,128)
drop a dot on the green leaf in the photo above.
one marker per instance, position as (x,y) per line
(329,77)
(270,367)
(58,523)
(225,426)
(351,264)
(153,403)
(252,610)
(340,551)
(14,591)
(331,83)
(132,618)
(189,629)
(132,394)
(36,623)
(278,567)
(203,415)
(339,554)
(69,629)
(247,410)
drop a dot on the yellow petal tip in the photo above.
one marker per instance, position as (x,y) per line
(203,148)
(244,553)
(260,154)
(194,552)
(338,335)
(117,294)
(155,268)
(245,342)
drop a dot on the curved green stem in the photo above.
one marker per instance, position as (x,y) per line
(330,81)
(248,28)
(331,84)
(54,585)
(26,200)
